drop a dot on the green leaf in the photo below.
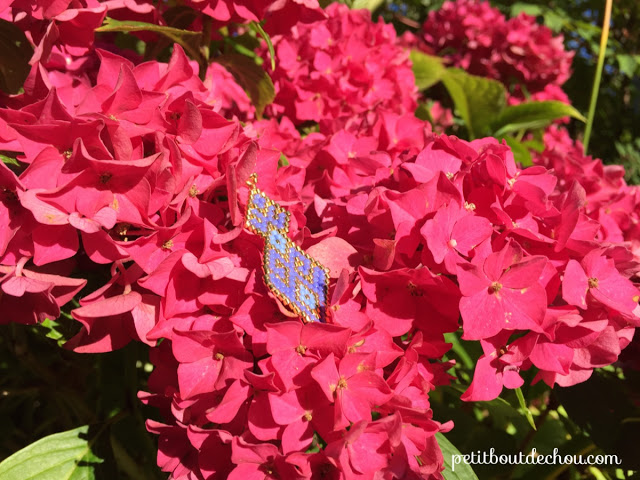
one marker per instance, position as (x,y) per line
(628,64)
(528,8)
(423,112)
(15,53)
(283,161)
(521,153)
(9,161)
(239,44)
(531,115)
(478,100)
(52,329)
(427,69)
(112,25)
(454,470)
(525,408)
(317,444)
(250,76)
(554,20)
(458,349)
(188,39)
(534,145)
(61,456)
(370,5)
(309,127)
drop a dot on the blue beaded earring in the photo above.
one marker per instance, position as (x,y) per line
(295,278)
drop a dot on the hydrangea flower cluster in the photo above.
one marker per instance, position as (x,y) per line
(280,16)
(336,70)
(518,52)
(609,200)
(434,229)
(134,179)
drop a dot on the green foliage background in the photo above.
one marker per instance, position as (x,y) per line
(616,132)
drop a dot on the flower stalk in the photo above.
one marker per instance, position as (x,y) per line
(596,82)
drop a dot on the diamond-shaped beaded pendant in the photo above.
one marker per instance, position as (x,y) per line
(299,281)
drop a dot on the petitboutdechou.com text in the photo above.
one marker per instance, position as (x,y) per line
(532,458)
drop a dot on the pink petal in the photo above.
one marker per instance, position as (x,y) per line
(42,211)
(297,437)
(370,453)
(525,273)
(101,248)
(575,199)
(326,375)
(190,124)
(244,452)
(486,384)
(335,254)
(472,279)
(552,357)
(470,231)
(126,94)
(54,243)
(616,292)
(496,263)
(188,349)
(283,336)
(292,368)
(370,386)
(109,306)
(229,406)
(575,285)
(105,336)
(524,309)
(191,263)
(180,294)
(198,377)
(247,471)
(286,407)
(260,419)
(145,317)
(64,288)
(483,316)
(17,286)
(437,232)
(384,252)
(354,407)
(85,224)
(325,338)
(512,378)
(220,267)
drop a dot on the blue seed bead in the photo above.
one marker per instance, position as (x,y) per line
(259,200)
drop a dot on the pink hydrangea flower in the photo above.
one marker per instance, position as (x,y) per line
(332,70)
(518,52)
(136,170)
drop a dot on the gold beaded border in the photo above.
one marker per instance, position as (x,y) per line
(266,271)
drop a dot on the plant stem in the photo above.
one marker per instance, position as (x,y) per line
(205,41)
(596,82)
